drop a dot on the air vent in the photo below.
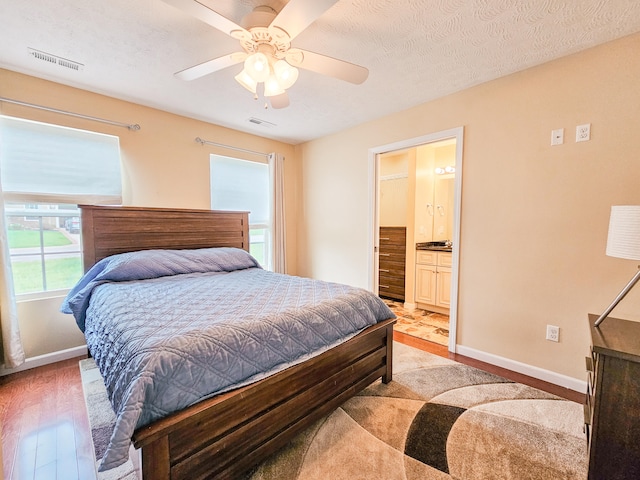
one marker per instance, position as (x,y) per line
(264,123)
(63,62)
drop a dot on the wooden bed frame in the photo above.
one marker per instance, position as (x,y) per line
(227,435)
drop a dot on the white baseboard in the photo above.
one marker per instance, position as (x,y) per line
(525,369)
(46,359)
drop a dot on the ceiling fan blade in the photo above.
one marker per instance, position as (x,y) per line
(349,72)
(211,66)
(201,12)
(299,14)
(279,101)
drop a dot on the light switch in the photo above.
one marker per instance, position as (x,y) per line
(557,136)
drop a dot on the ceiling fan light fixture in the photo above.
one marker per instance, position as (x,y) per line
(285,73)
(272,87)
(257,66)
(265,36)
(244,79)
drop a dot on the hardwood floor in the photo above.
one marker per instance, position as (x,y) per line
(45,430)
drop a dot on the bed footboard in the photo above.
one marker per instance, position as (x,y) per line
(226,435)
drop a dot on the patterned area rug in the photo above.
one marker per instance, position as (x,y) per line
(437,420)
(102,419)
(430,326)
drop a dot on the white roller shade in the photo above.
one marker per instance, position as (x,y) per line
(44,163)
(240,185)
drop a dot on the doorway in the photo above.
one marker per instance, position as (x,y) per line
(432,244)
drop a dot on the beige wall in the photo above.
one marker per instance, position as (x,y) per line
(162,167)
(534,217)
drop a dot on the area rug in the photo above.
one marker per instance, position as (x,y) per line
(420,323)
(437,420)
(101,419)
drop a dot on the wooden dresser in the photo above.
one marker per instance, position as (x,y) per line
(612,407)
(391,269)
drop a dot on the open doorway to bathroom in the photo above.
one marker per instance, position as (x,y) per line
(417,233)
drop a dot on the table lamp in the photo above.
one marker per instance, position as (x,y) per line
(623,242)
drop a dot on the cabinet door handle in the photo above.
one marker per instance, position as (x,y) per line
(385,254)
(385,238)
(383,270)
(383,286)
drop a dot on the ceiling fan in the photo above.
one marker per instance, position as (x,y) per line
(270,64)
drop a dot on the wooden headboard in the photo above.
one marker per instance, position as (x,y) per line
(108,230)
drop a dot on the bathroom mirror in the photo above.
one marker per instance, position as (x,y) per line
(443,204)
(435,196)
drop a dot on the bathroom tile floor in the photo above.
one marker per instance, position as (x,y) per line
(430,326)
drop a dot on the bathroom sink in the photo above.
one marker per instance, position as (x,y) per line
(437,246)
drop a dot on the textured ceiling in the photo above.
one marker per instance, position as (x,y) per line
(415,50)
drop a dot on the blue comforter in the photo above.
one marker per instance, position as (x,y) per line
(168,329)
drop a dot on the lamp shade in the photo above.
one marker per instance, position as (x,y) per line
(624,232)
(285,73)
(244,79)
(272,87)
(257,66)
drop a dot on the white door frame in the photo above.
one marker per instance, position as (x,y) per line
(374,213)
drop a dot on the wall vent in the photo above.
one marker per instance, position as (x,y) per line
(63,62)
(264,123)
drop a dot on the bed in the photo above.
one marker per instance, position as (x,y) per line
(227,434)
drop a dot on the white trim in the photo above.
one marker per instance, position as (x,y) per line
(46,359)
(46,295)
(374,241)
(524,368)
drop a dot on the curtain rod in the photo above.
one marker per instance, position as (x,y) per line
(207,142)
(133,127)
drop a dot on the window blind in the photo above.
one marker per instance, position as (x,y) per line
(44,163)
(240,185)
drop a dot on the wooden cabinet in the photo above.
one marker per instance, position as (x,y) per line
(426,276)
(443,287)
(433,280)
(392,261)
(612,409)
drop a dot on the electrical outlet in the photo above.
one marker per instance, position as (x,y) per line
(557,136)
(553,333)
(583,132)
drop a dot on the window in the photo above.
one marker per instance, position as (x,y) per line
(44,246)
(46,171)
(244,185)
